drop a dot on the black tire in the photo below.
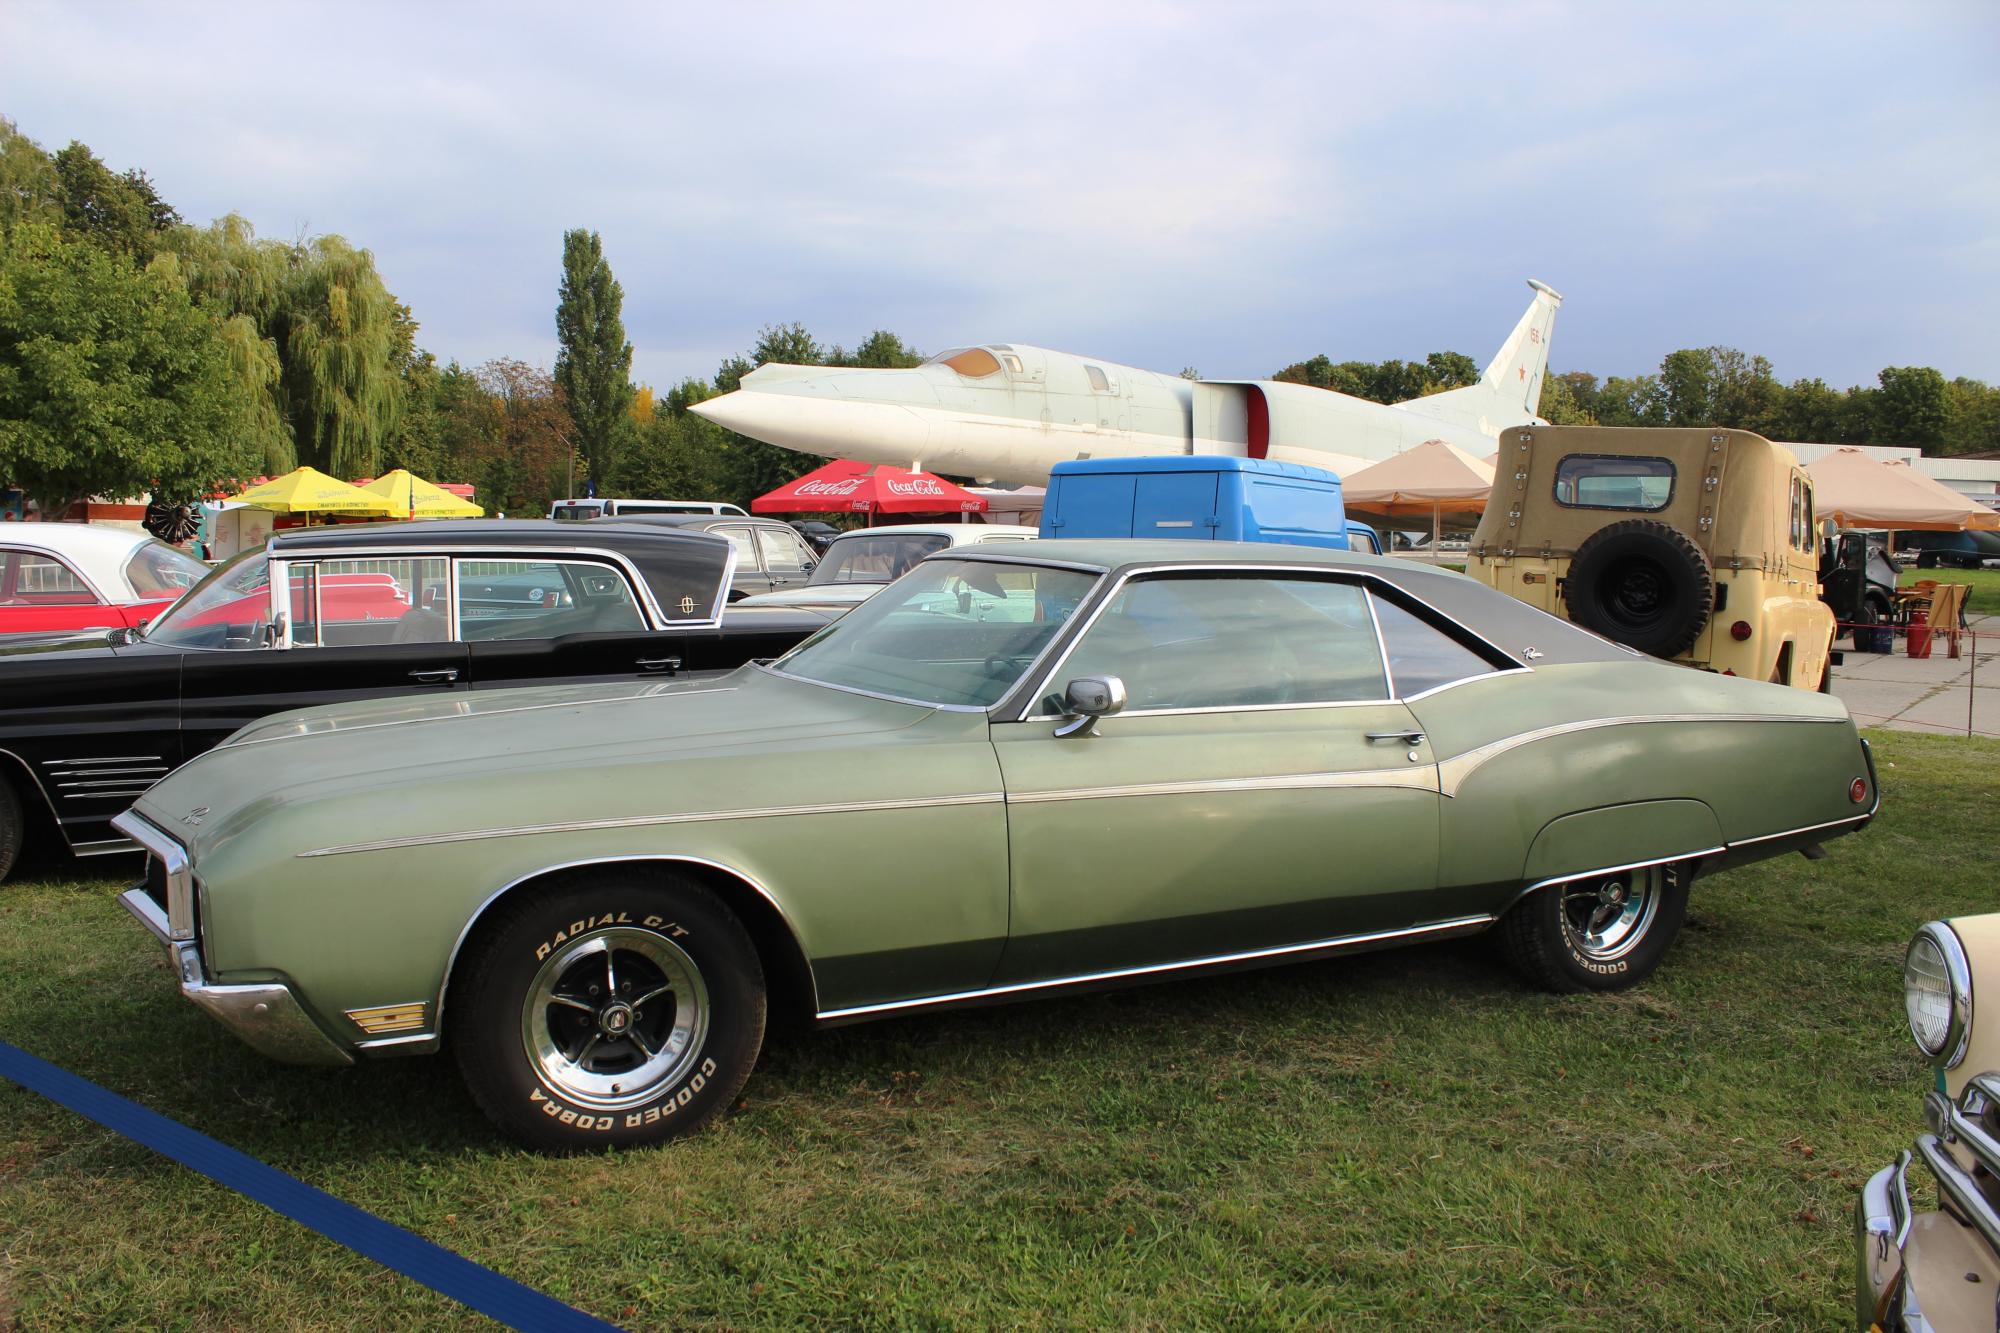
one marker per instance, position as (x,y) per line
(688,1014)
(1546,934)
(1641,583)
(1927,561)
(13,825)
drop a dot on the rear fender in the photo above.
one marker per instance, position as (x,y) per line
(1618,836)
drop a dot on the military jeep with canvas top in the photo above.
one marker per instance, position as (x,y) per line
(1691,544)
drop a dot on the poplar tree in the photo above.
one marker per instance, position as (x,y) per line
(593,360)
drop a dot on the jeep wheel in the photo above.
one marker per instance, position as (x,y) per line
(1598,933)
(1641,583)
(612,1009)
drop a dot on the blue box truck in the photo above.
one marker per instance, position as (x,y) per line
(1201,498)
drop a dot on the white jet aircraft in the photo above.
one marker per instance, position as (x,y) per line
(1010,412)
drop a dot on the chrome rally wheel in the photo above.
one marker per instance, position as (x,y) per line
(614,1014)
(1597,932)
(1604,919)
(612,1006)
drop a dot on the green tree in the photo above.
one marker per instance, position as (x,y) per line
(593,360)
(122,214)
(1687,388)
(1559,405)
(1912,407)
(112,382)
(880,350)
(1972,417)
(27,180)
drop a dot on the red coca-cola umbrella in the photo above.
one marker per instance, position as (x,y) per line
(868,488)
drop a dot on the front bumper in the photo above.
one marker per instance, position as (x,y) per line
(266,1015)
(1937,1270)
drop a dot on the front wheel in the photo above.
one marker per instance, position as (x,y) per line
(1598,933)
(614,1009)
(12,826)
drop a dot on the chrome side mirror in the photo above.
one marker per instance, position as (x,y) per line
(1088,698)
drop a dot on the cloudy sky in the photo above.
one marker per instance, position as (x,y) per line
(1228,186)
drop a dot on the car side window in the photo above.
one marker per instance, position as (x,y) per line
(1421,656)
(783,552)
(390,599)
(746,549)
(1231,642)
(543,599)
(40,580)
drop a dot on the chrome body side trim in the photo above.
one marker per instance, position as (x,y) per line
(649,821)
(465,931)
(174,859)
(1454,771)
(665,691)
(1457,925)
(265,1015)
(1618,869)
(107,847)
(1420,779)
(866,694)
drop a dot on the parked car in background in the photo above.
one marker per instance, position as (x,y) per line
(818,535)
(66,578)
(1203,497)
(1933,1271)
(769,554)
(318,615)
(579,511)
(1188,758)
(861,563)
(1951,550)
(1693,544)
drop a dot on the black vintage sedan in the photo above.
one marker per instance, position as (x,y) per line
(324,615)
(769,555)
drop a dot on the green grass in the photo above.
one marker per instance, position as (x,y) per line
(1983,600)
(1407,1136)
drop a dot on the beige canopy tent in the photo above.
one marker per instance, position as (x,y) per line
(1858,491)
(1435,478)
(413,497)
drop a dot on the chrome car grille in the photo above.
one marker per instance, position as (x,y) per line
(1971,1122)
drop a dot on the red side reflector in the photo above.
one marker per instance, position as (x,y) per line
(1857,790)
(1740,630)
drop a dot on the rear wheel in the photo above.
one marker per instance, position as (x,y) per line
(1597,933)
(619,1009)
(13,827)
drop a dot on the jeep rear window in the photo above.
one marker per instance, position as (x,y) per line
(1603,481)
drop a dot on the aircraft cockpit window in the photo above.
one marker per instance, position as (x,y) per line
(975,363)
(1097,379)
(1013,362)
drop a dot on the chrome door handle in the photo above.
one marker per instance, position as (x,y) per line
(1406,736)
(667,664)
(440,676)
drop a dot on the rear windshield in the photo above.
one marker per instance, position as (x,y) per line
(158,570)
(1599,481)
(874,558)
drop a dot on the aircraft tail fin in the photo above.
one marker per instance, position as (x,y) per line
(1510,390)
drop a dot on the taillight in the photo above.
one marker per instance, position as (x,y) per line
(1740,630)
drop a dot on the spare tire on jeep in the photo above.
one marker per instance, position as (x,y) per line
(1641,583)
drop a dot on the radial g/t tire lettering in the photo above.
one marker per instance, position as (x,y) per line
(614,1007)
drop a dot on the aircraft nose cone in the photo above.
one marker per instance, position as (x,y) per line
(821,423)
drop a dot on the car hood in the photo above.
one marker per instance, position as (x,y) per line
(41,645)
(505,756)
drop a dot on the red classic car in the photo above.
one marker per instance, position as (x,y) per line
(58,578)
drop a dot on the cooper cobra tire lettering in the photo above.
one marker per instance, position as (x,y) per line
(1536,943)
(530,1071)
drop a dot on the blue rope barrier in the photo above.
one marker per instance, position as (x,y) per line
(502,1298)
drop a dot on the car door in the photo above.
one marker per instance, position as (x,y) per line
(750,577)
(1259,789)
(352,628)
(788,561)
(42,594)
(557,621)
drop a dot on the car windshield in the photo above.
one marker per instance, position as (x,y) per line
(228,609)
(158,570)
(954,633)
(874,557)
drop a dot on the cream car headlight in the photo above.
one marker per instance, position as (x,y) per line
(1937,993)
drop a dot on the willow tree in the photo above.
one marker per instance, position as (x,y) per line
(338,336)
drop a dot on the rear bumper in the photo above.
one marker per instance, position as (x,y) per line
(267,1016)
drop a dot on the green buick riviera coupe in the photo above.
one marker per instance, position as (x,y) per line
(1018,770)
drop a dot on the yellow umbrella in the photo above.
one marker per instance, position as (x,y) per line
(413,497)
(310,491)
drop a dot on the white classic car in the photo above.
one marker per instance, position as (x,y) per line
(859,564)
